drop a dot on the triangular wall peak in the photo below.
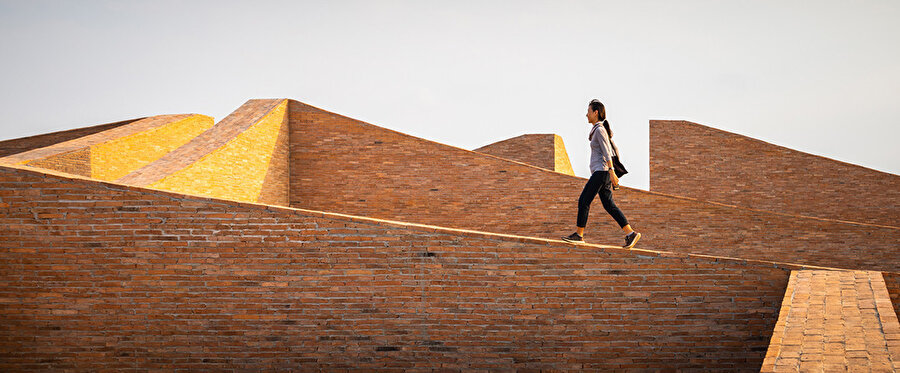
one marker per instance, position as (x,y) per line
(542,150)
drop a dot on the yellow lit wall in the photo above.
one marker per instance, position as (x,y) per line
(236,170)
(561,156)
(116,158)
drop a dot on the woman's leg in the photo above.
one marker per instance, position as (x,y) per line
(610,206)
(587,196)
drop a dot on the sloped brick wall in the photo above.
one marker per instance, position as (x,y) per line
(692,160)
(892,282)
(540,150)
(343,165)
(276,184)
(23,144)
(97,276)
(75,162)
(237,169)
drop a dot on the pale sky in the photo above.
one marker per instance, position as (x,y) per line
(817,76)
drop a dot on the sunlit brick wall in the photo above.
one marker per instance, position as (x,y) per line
(343,165)
(108,277)
(692,160)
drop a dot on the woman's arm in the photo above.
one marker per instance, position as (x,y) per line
(612,174)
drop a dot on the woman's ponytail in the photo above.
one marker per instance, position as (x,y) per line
(597,106)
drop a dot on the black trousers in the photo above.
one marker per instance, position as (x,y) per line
(599,183)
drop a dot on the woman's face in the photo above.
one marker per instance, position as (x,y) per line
(592,115)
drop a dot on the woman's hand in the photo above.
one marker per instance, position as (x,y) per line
(613,178)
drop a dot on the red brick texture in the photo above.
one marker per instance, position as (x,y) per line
(343,165)
(692,160)
(98,276)
(833,321)
(276,185)
(536,149)
(892,282)
(76,162)
(23,144)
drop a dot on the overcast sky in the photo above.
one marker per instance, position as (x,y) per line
(817,76)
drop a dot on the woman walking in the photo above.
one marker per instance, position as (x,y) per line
(603,178)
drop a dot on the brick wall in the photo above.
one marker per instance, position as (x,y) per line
(98,276)
(342,165)
(118,157)
(833,321)
(892,282)
(203,144)
(541,150)
(276,183)
(76,162)
(13,146)
(237,169)
(110,133)
(692,160)
(111,154)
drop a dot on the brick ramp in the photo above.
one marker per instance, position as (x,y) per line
(97,275)
(834,321)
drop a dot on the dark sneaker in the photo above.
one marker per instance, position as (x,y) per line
(574,238)
(631,239)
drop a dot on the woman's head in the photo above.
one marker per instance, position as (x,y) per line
(596,111)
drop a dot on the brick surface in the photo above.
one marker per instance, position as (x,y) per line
(835,321)
(19,145)
(107,276)
(76,162)
(120,277)
(214,138)
(544,151)
(237,169)
(343,165)
(121,156)
(276,184)
(693,160)
(103,134)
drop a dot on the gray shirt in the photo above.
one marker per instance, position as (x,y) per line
(601,150)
